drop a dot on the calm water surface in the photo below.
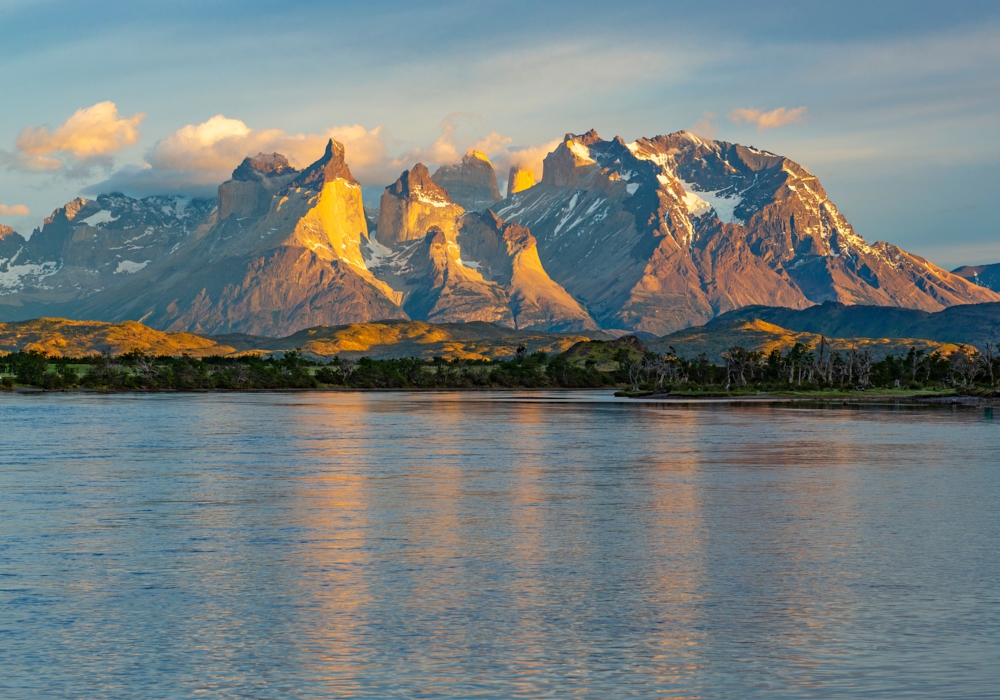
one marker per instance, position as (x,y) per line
(495,545)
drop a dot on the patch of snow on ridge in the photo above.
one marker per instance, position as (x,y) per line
(724,206)
(11,278)
(631,188)
(430,199)
(101,217)
(569,212)
(377,253)
(471,264)
(128,266)
(580,151)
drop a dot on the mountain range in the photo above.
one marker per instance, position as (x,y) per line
(652,236)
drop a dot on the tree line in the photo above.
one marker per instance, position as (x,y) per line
(136,371)
(632,367)
(817,369)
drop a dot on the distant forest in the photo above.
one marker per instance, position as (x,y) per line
(630,367)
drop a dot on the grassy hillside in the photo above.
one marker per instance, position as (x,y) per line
(61,337)
(758,335)
(390,339)
(968,324)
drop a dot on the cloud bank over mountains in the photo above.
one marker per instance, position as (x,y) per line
(90,137)
(194,159)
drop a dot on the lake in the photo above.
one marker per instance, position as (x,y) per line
(495,545)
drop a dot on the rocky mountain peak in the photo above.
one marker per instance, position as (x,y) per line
(417,183)
(11,243)
(67,212)
(471,183)
(517,237)
(263,165)
(587,139)
(254,183)
(476,154)
(571,163)
(330,167)
(519,180)
(412,205)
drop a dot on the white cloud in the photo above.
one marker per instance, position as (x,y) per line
(14,210)
(196,158)
(90,136)
(449,148)
(768,120)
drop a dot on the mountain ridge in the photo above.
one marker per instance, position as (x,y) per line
(650,236)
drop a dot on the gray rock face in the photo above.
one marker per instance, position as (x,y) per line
(10,242)
(668,232)
(452,265)
(472,183)
(983,275)
(92,245)
(253,185)
(254,182)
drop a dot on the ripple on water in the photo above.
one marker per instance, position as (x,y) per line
(508,544)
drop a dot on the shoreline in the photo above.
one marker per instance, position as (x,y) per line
(928,399)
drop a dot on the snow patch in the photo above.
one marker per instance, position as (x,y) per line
(580,151)
(377,253)
(471,264)
(129,267)
(569,212)
(433,201)
(101,217)
(12,278)
(631,188)
(724,205)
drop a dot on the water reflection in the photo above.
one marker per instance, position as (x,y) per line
(493,545)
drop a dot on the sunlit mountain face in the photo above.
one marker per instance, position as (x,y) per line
(654,236)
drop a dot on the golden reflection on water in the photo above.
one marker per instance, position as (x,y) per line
(333,503)
(676,528)
(419,524)
(387,545)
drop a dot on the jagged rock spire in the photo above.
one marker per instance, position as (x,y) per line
(519,180)
(328,168)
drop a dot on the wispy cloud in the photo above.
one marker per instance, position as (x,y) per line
(768,120)
(704,126)
(89,137)
(14,210)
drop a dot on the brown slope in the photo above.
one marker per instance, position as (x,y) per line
(60,337)
(389,339)
(508,255)
(760,336)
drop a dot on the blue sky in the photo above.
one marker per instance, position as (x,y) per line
(900,121)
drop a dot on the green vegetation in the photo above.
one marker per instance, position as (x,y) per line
(136,371)
(625,363)
(821,369)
